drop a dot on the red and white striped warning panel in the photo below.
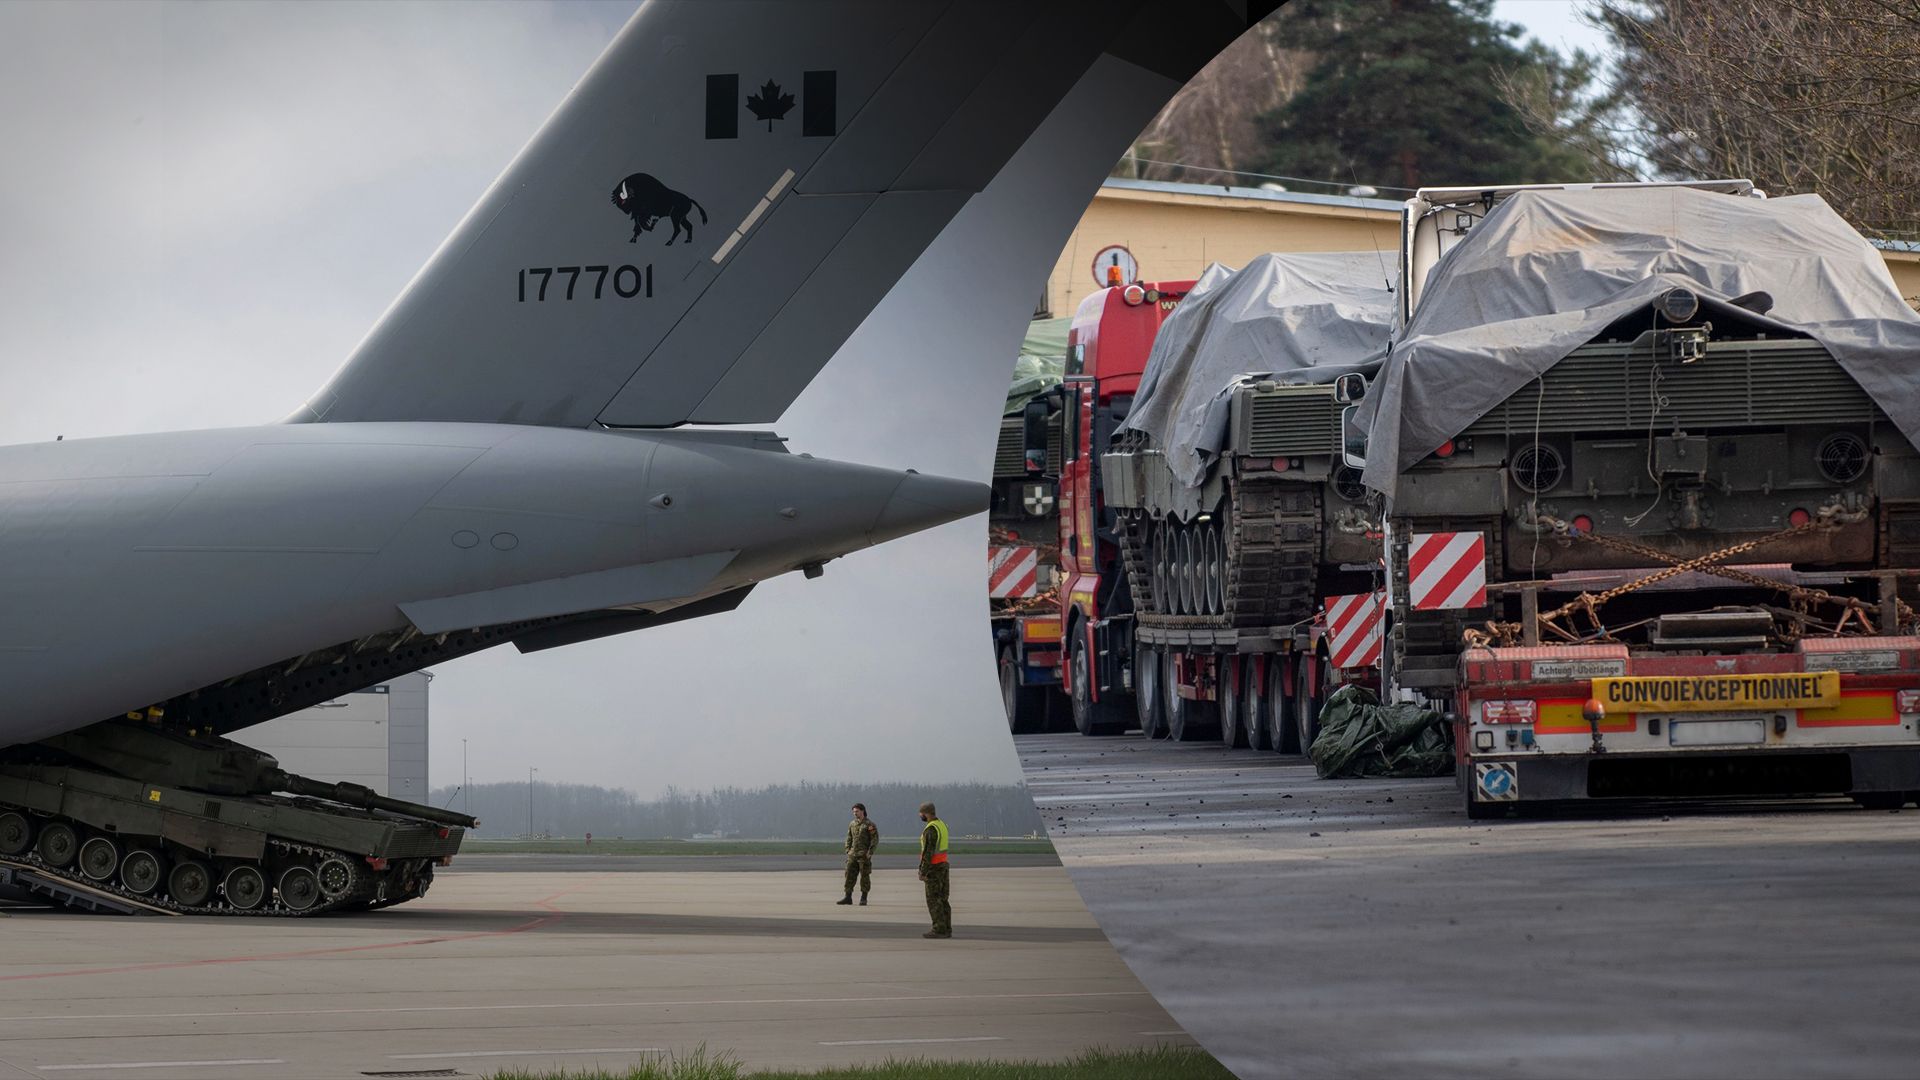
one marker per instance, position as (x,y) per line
(1013,572)
(1447,570)
(1353,629)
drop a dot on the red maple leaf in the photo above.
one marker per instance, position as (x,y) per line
(770,104)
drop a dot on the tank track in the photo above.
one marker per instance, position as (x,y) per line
(1272,556)
(361,892)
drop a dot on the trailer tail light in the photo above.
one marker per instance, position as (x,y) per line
(1799,518)
(1134,295)
(1517,711)
(1582,523)
(1444,450)
(377,863)
(1907,701)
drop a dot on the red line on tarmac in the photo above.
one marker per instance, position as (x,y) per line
(531,924)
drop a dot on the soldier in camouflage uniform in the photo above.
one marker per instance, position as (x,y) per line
(933,871)
(862,836)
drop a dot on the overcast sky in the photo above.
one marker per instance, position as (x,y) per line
(204,207)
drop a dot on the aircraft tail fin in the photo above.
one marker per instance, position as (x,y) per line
(725,196)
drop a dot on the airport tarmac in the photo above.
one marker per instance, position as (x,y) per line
(500,968)
(1302,927)
(540,863)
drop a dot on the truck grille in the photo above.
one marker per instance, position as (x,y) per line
(1292,420)
(1737,384)
(1010,456)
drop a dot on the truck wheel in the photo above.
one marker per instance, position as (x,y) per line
(1026,708)
(1187,719)
(1149,706)
(1283,724)
(1254,692)
(1306,702)
(1090,717)
(1233,732)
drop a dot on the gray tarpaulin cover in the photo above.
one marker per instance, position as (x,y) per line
(1361,737)
(1546,271)
(1295,318)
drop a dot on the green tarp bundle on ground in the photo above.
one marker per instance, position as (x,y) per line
(1361,737)
(1042,363)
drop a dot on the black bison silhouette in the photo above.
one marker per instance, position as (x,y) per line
(647,200)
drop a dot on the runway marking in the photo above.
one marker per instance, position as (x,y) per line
(529,1053)
(531,924)
(914,1042)
(674,1003)
(166,1063)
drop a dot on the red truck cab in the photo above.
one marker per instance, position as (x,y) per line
(1107,349)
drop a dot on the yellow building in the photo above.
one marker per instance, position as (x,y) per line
(1165,232)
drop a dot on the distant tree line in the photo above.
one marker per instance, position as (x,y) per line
(806,811)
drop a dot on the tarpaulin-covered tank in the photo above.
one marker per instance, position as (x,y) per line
(1610,379)
(1227,469)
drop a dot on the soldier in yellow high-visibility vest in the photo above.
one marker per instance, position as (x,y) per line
(933,871)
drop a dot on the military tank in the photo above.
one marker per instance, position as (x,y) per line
(1653,446)
(1236,512)
(212,827)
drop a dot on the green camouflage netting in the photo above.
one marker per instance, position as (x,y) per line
(1043,360)
(1361,737)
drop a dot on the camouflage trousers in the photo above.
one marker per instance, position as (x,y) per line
(937,902)
(860,868)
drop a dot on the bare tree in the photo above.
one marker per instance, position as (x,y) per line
(1209,129)
(1799,95)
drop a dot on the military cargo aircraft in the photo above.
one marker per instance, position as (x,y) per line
(541,441)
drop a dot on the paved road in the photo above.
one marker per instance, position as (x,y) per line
(488,862)
(503,969)
(1300,927)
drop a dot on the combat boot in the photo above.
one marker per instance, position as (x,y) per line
(847,899)
(936,934)
(863,899)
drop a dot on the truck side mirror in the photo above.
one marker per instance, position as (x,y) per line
(1350,388)
(1353,438)
(1034,436)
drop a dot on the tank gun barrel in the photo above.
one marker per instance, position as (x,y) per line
(366,798)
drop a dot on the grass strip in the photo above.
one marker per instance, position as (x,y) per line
(1146,1063)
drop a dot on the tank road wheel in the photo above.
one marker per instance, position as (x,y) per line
(191,883)
(99,858)
(58,845)
(1214,571)
(1148,705)
(246,887)
(1183,562)
(141,871)
(16,834)
(1157,553)
(1026,709)
(1090,717)
(1306,702)
(1256,685)
(299,888)
(336,877)
(1232,735)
